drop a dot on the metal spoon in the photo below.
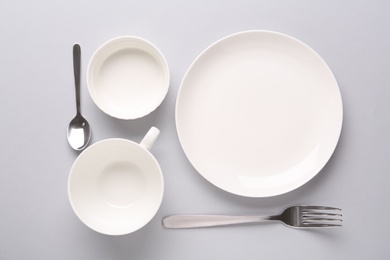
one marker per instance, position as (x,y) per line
(79,131)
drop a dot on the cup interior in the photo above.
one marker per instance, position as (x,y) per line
(128,77)
(115,187)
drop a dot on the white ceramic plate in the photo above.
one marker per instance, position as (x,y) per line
(259,113)
(128,77)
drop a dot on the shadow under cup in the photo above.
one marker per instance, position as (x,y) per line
(115,186)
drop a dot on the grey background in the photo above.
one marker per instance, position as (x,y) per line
(37,103)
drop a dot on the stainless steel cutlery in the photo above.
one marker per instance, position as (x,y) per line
(79,131)
(295,217)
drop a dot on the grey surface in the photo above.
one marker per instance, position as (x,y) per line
(37,103)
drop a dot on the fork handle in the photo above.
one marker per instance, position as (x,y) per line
(196,221)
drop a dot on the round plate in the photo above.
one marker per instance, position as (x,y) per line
(258,113)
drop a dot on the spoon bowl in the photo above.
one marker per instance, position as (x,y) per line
(79,131)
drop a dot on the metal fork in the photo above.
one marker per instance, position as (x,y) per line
(295,217)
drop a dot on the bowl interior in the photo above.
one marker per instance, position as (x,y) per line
(128,77)
(115,187)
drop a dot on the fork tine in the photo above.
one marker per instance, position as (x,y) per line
(320,216)
(313,219)
(320,208)
(308,213)
(309,225)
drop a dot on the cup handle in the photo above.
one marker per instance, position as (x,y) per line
(150,137)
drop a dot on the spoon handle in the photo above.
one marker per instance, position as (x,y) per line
(77,68)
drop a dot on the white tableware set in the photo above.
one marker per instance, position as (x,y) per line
(258,114)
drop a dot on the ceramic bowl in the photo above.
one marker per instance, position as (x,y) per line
(128,77)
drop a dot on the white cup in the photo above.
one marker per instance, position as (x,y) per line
(116,186)
(128,77)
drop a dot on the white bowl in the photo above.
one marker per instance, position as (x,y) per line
(128,77)
(116,186)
